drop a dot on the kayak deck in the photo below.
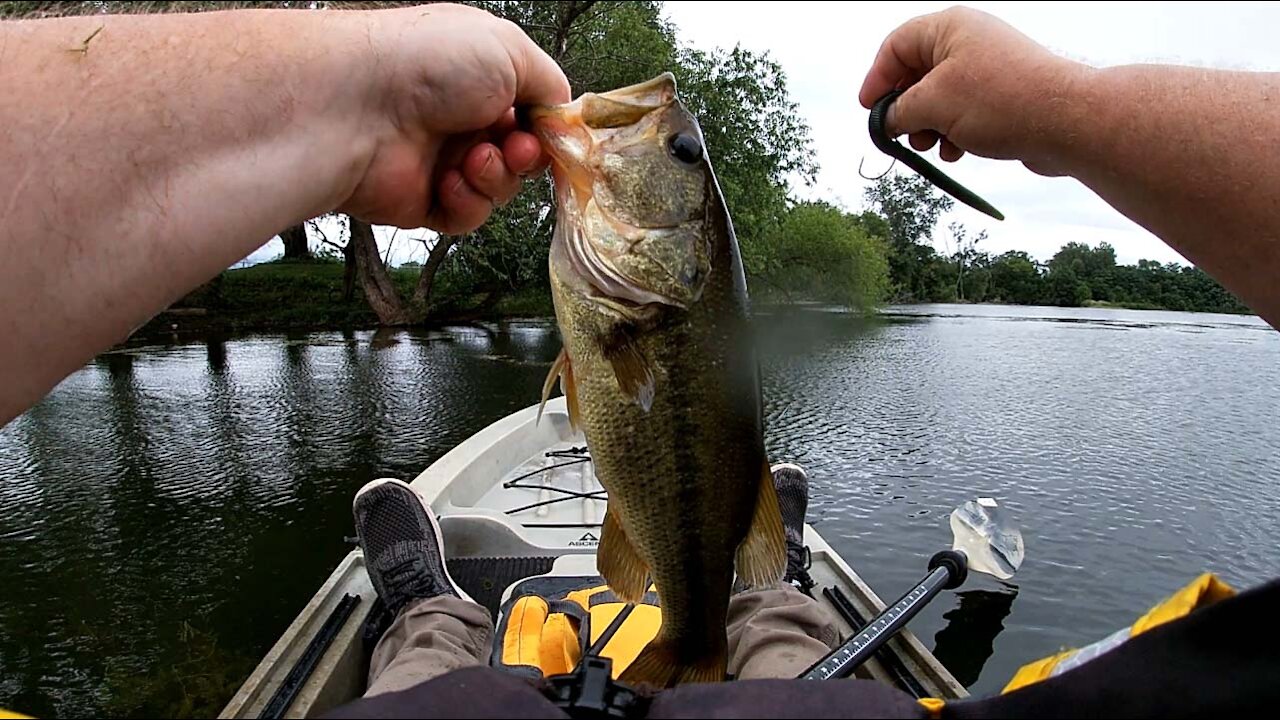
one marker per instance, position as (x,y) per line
(516,500)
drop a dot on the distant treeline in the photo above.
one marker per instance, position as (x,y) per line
(906,211)
(1079,275)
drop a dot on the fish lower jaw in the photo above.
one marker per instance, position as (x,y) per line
(627,309)
(639,300)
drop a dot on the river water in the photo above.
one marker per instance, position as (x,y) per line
(169,508)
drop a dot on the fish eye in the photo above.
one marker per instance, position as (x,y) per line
(685,148)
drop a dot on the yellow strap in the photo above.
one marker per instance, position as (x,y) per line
(583,596)
(636,631)
(1036,671)
(523,640)
(6,714)
(1201,592)
(559,652)
(933,706)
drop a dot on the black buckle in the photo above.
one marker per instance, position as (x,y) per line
(591,692)
(802,578)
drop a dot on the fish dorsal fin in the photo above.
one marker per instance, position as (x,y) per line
(563,370)
(634,375)
(762,556)
(619,563)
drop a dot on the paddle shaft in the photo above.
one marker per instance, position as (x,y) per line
(947,569)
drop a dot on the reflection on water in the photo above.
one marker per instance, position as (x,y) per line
(968,639)
(174,506)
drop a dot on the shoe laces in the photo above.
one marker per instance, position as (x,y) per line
(410,579)
(799,560)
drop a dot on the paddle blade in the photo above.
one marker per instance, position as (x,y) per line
(988,539)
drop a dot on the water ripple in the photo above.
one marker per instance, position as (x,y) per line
(171,490)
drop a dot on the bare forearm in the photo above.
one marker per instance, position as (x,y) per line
(1192,156)
(142,162)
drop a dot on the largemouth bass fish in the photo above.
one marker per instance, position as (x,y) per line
(658,367)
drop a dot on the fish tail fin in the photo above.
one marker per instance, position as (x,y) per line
(762,556)
(659,666)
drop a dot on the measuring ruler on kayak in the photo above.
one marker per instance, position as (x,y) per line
(982,540)
(947,570)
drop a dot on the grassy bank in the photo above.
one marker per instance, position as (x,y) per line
(279,295)
(309,295)
(1136,306)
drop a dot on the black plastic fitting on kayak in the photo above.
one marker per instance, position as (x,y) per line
(957,566)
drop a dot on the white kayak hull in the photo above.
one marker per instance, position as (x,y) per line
(517,495)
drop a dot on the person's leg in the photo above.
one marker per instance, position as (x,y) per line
(779,632)
(437,628)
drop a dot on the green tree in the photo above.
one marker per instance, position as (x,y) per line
(910,207)
(1092,266)
(872,224)
(1014,279)
(965,250)
(977,281)
(755,136)
(1065,289)
(818,252)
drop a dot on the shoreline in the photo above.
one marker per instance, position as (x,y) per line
(176,323)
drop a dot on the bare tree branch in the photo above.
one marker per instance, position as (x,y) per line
(390,244)
(430,268)
(573,11)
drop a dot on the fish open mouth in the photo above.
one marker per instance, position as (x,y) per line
(569,133)
(606,279)
(566,130)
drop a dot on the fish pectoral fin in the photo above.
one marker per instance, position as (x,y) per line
(562,369)
(659,665)
(619,563)
(762,556)
(634,375)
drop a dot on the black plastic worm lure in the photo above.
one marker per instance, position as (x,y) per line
(887,145)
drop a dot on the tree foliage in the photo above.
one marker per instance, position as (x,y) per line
(910,207)
(905,210)
(819,252)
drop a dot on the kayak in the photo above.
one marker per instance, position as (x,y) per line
(520,508)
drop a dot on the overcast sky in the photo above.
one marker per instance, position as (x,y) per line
(826,49)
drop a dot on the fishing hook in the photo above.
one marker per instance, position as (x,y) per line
(864,176)
(880,137)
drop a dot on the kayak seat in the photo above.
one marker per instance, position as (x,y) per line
(548,623)
(486,578)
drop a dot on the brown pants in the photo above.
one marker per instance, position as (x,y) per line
(775,632)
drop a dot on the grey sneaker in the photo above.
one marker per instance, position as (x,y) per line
(792,485)
(402,544)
